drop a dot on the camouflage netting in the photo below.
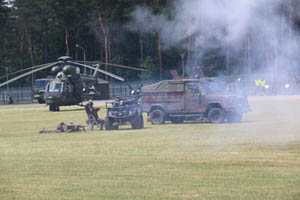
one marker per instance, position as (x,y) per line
(164,86)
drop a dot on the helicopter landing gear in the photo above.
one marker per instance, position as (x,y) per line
(53,108)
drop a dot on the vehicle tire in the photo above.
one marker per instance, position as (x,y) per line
(157,117)
(52,108)
(137,122)
(116,127)
(216,115)
(233,117)
(177,120)
(40,101)
(141,121)
(108,124)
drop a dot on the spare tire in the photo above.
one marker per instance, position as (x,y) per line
(157,117)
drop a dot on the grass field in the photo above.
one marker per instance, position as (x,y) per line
(256,159)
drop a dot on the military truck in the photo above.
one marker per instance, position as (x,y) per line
(192,100)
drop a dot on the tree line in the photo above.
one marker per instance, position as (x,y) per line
(37,32)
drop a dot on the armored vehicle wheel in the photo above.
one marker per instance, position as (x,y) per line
(177,120)
(234,117)
(216,115)
(157,117)
(108,124)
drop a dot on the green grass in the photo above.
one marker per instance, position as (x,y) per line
(256,159)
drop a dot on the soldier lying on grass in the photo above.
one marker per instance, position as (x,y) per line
(65,128)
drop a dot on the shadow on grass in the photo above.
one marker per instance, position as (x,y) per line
(207,122)
(127,129)
(76,109)
(72,110)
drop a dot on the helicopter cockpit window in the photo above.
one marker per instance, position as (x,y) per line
(55,87)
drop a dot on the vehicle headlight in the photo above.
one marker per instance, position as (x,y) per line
(109,113)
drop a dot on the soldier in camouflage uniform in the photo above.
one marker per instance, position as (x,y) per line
(93,119)
(65,128)
(75,128)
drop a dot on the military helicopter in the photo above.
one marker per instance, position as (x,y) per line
(69,87)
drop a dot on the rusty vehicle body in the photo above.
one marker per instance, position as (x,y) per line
(192,100)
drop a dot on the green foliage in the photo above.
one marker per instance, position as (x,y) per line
(49,21)
(152,68)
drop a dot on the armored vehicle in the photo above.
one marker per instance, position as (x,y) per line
(124,110)
(192,99)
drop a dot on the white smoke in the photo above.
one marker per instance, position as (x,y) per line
(228,24)
(260,29)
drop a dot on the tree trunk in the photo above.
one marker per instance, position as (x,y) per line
(142,55)
(29,41)
(76,40)
(188,49)
(22,49)
(46,46)
(104,30)
(67,41)
(109,46)
(159,55)
(227,59)
(31,51)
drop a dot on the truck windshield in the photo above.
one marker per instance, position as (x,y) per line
(213,87)
(55,87)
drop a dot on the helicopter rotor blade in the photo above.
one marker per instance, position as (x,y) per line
(99,70)
(23,70)
(117,65)
(95,73)
(28,73)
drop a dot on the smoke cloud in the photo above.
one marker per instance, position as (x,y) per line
(254,33)
(257,36)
